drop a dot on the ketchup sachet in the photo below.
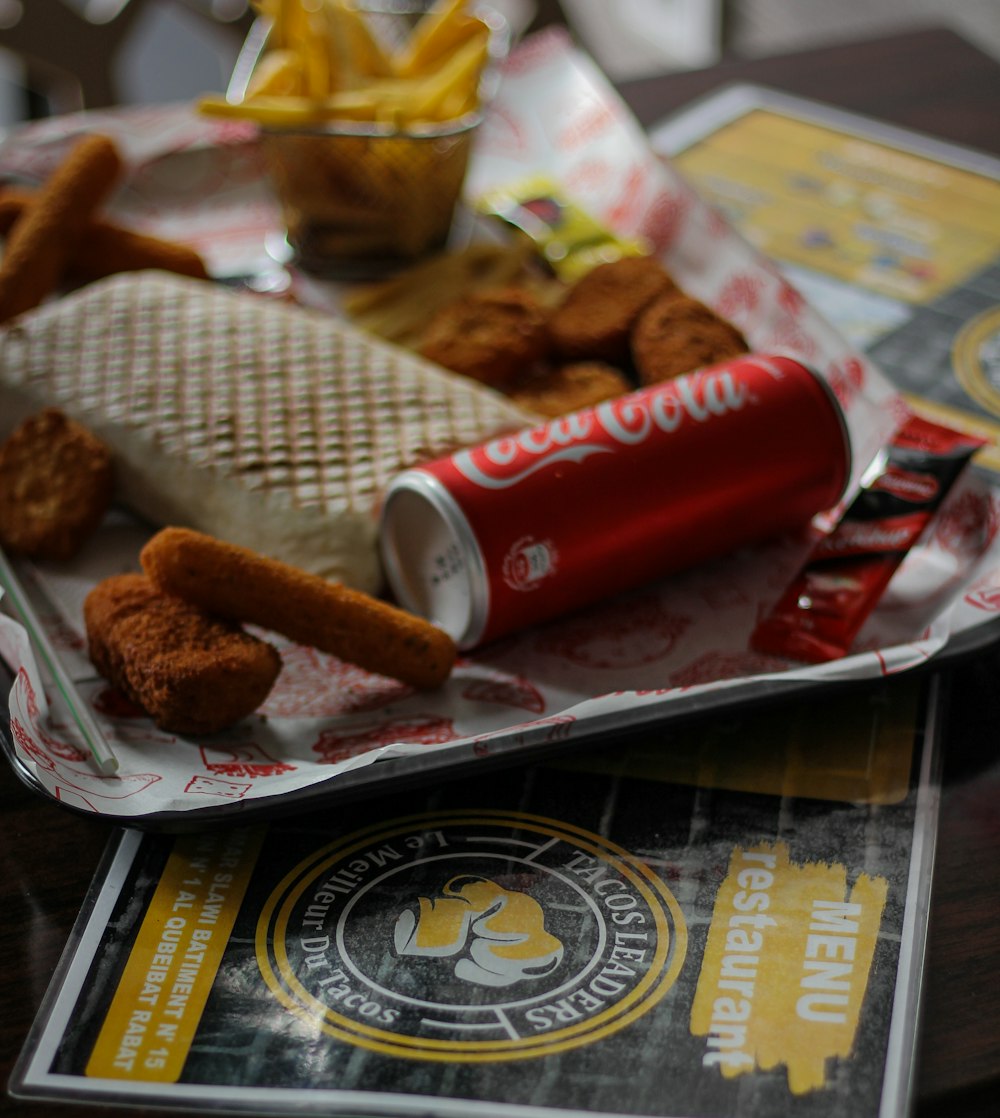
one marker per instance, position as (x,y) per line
(820,614)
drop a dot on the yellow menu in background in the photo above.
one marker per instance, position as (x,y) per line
(903,225)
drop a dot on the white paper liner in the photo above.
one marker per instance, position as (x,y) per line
(636,655)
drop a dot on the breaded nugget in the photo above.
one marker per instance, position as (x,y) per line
(56,483)
(596,317)
(675,335)
(490,336)
(192,673)
(239,584)
(570,388)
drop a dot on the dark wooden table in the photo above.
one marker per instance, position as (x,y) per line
(932,81)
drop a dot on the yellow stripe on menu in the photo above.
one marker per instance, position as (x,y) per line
(790,951)
(902,224)
(156,1009)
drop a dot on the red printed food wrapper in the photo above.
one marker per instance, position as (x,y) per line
(821,613)
(556,117)
(626,662)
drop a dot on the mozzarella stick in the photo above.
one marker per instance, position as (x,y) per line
(238,584)
(104,248)
(40,246)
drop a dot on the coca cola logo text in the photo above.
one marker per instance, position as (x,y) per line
(626,421)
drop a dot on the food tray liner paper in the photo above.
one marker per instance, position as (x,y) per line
(626,660)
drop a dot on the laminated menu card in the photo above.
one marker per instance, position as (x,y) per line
(716,919)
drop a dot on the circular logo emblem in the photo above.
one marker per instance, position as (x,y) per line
(528,563)
(470,937)
(976,359)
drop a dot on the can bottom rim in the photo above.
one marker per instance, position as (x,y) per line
(431,559)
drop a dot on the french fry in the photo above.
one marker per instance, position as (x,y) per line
(387,103)
(349,27)
(290,23)
(372,102)
(437,33)
(269,112)
(399,308)
(316,55)
(277,75)
(325,62)
(454,80)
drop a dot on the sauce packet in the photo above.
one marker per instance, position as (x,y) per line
(820,614)
(569,240)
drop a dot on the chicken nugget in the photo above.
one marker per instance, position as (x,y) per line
(675,335)
(569,388)
(191,673)
(596,317)
(56,483)
(490,336)
(239,584)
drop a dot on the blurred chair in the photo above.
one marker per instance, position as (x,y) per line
(95,42)
(31,88)
(59,35)
(635,38)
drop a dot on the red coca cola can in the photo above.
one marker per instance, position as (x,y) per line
(544,521)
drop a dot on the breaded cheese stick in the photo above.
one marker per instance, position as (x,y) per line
(104,248)
(239,584)
(40,246)
(193,674)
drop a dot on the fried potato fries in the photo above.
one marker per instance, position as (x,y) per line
(398,309)
(325,61)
